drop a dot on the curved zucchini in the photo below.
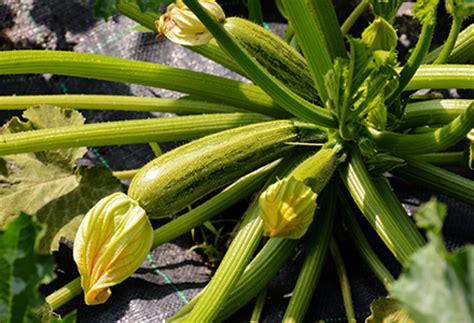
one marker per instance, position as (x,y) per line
(178,178)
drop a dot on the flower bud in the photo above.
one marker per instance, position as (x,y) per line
(380,35)
(181,26)
(111,243)
(287,208)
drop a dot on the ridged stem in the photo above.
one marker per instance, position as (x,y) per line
(448,76)
(432,112)
(414,61)
(438,179)
(352,18)
(64,294)
(363,247)
(272,86)
(462,51)
(235,260)
(430,142)
(321,232)
(373,205)
(123,132)
(100,67)
(443,159)
(259,306)
(125,174)
(449,44)
(115,102)
(133,11)
(343,281)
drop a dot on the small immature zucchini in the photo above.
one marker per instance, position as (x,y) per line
(178,178)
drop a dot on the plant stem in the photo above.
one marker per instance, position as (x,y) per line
(436,178)
(234,262)
(64,294)
(275,88)
(432,112)
(355,14)
(363,246)
(115,102)
(100,67)
(123,132)
(132,10)
(125,174)
(449,44)
(255,11)
(343,280)
(414,61)
(462,51)
(442,77)
(259,305)
(443,159)
(321,232)
(432,141)
(381,217)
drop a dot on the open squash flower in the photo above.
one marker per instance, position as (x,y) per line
(111,243)
(287,208)
(181,26)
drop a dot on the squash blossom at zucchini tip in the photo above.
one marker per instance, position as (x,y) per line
(111,243)
(181,26)
(287,208)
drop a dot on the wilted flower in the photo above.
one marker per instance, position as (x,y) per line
(287,208)
(181,26)
(112,241)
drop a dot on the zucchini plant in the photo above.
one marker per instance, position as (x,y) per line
(326,118)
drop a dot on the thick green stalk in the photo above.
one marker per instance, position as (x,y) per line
(395,206)
(217,204)
(430,142)
(275,88)
(343,281)
(414,61)
(306,21)
(449,44)
(444,159)
(115,102)
(442,77)
(352,18)
(370,201)
(235,260)
(438,179)
(64,294)
(433,112)
(123,132)
(463,49)
(100,67)
(315,258)
(363,246)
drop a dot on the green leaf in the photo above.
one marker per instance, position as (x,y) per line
(105,8)
(438,289)
(385,310)
(381,163)
(430,216)
(437,286)
(22,270)
(425,11)
(39,183)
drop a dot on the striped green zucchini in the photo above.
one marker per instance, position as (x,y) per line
(178,178)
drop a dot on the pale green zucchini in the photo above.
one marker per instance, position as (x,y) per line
(178,178)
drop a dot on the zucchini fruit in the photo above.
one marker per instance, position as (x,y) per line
(279,58)
(180,177)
